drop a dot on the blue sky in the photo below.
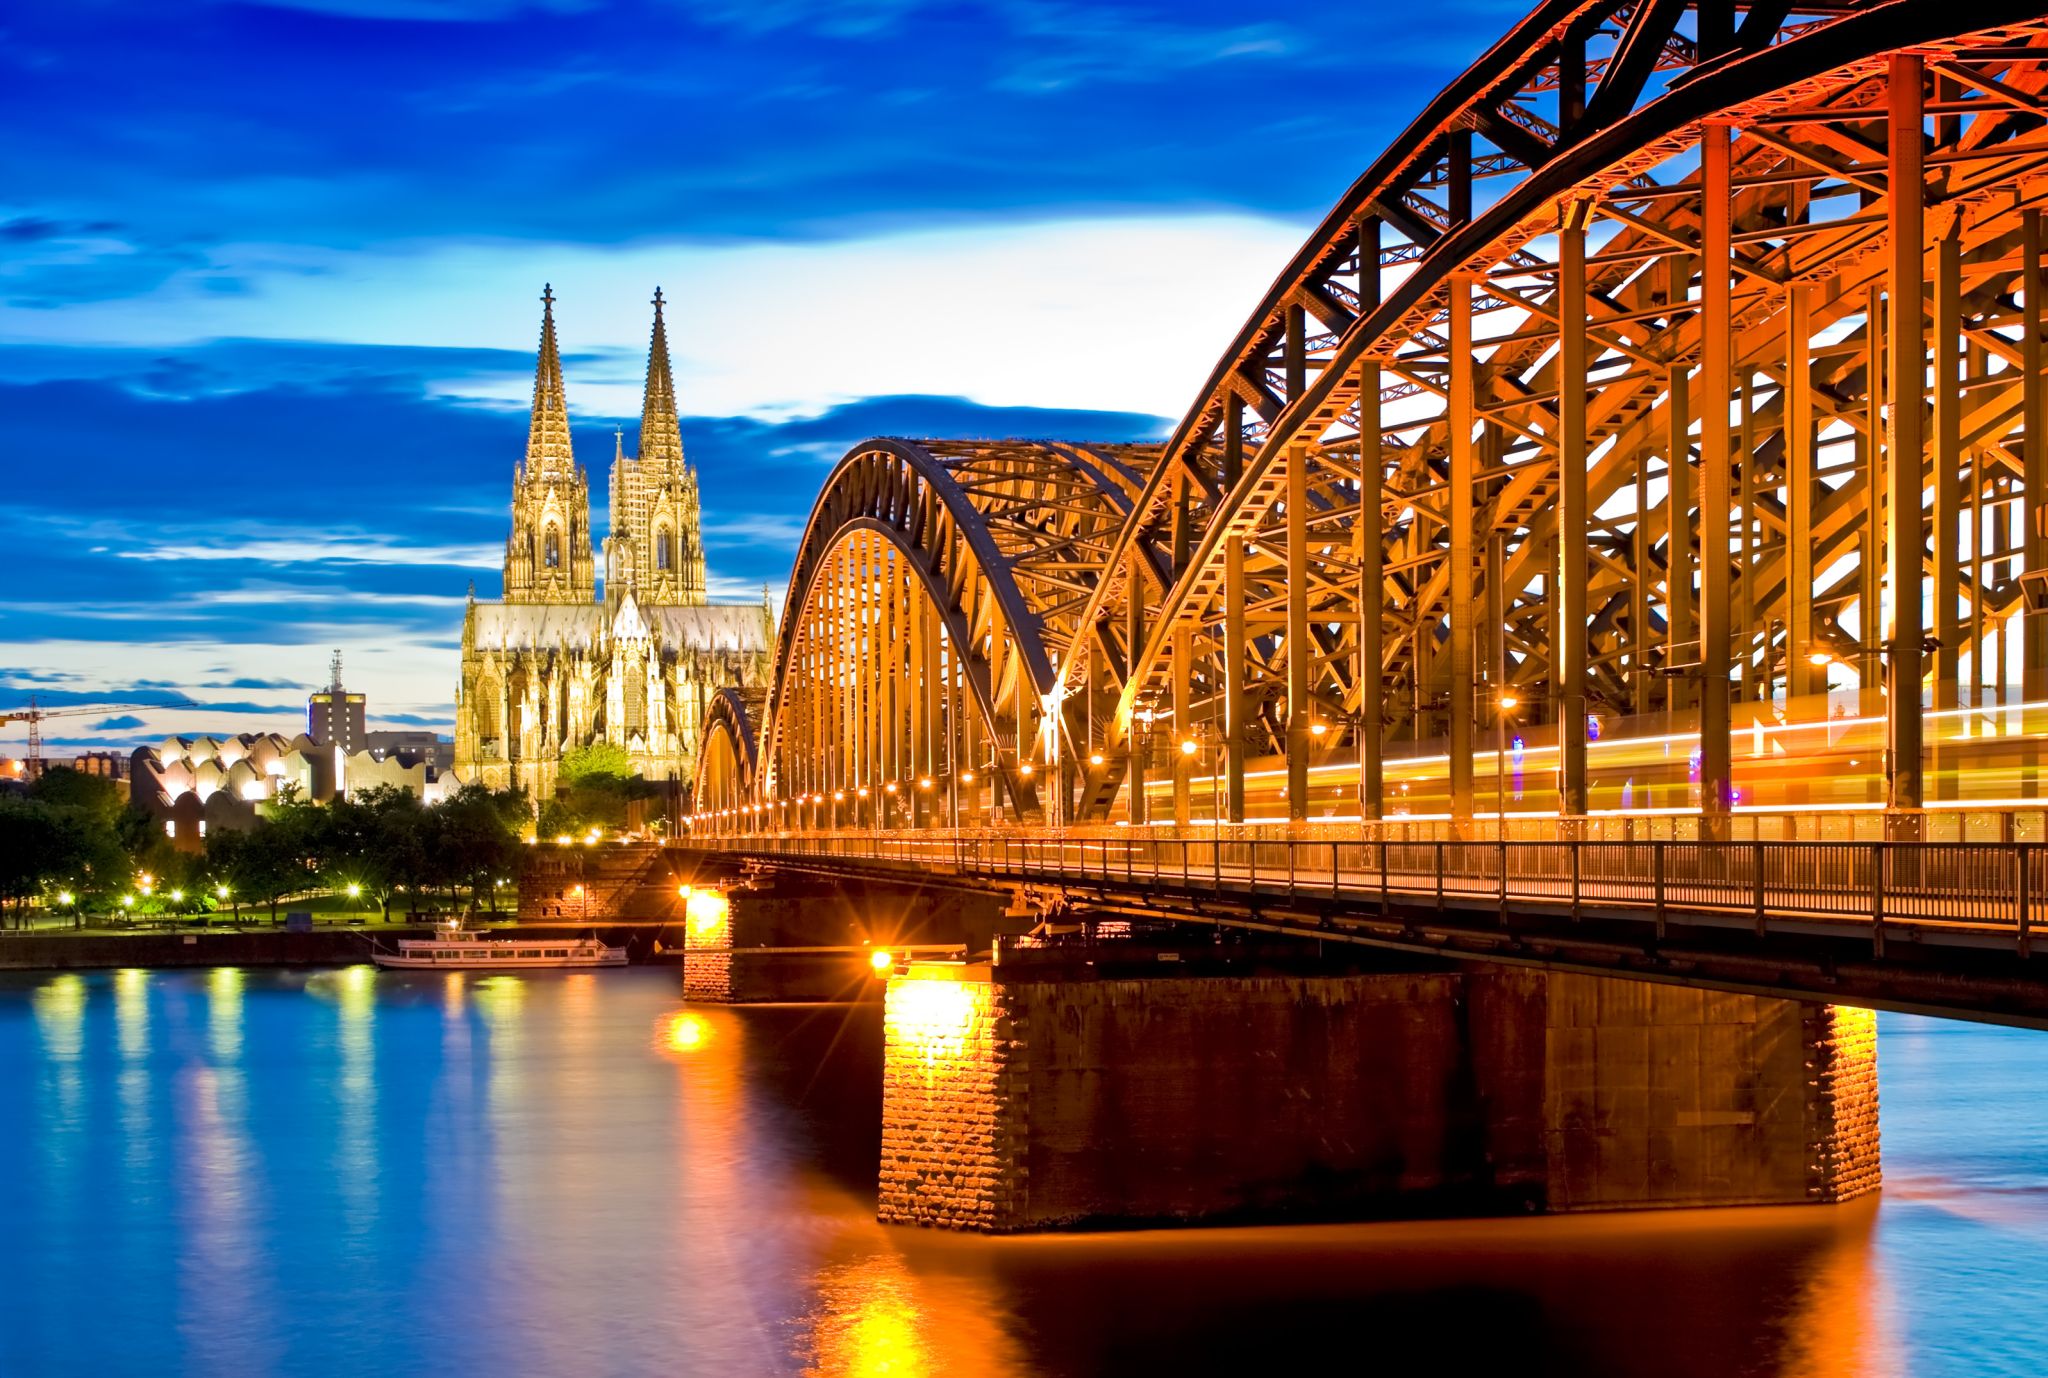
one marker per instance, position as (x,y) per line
(268,277)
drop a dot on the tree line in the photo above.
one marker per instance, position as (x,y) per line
(72,842)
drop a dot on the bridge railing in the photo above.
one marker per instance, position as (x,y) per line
(1986,886)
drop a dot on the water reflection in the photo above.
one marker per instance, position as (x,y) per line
(355,1173)
(60,1027)
(1840,1322)
(224,1013)
(876,1315)
(356,1143)
(223,1284)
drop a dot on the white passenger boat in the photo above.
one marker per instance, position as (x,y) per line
(461,949)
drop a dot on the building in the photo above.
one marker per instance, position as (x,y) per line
(413,746)
(113,765)
(193,784)
(554,665)
(336,717)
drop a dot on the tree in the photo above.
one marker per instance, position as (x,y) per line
(376,841)
(596,781)
(595,763)
(477,836)
(35,845)
(96,796)
(87,816)
(275,859)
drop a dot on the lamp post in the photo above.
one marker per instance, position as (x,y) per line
(1141,756)
(1198,748)
(1505,704)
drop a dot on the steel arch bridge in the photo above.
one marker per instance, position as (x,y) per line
(1669,381)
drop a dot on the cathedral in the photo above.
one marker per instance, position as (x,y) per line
(554,664)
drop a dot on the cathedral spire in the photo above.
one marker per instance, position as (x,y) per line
(660,436)
(547,440)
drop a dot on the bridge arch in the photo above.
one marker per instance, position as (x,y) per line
(936,587)
(1385,465)
(728,753)
(1607,395)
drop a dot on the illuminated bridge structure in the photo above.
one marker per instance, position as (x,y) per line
(1630,486)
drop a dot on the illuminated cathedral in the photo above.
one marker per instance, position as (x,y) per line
(553,664)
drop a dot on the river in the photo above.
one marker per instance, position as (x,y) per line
(346,1172)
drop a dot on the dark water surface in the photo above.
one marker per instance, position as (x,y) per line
(346,1172)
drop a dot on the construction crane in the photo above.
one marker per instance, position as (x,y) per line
(34,716)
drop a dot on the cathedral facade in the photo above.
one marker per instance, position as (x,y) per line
(558,663)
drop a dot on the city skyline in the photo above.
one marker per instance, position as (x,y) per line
(260,414)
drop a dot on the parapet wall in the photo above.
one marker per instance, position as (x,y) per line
(1019,1105)
(599,883)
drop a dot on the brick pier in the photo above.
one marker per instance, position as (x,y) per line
(1019,1104)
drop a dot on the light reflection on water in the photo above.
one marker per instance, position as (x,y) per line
(349,1172)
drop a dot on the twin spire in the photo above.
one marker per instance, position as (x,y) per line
(548,447)
(660,437)
(547,440)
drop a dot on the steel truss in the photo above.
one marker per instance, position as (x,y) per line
(729,758)
(1590,395)
(936,588)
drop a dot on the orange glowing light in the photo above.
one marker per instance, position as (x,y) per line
(1094,758)
(881,960)
(688,1032)
(707,912)
(933,1016)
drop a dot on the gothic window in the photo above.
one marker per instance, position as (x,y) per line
(488,707)
(515,694)
(636,699)
(661,556)
(529,550)
(554,548)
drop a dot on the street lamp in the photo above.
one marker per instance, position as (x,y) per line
(1506,703)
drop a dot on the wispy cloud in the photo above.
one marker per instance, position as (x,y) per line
(302,547)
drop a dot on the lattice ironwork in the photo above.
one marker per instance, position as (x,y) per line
(1587,401)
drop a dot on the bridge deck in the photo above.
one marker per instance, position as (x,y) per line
(1945,927)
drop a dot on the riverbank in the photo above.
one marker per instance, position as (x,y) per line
(89,949)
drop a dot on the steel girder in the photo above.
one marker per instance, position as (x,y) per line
(728,760)
(1588,120)
(914,549)
(1685,207)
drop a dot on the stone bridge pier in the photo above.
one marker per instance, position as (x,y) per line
(789,936)
(1037,1096)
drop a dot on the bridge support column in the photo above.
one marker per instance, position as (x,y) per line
(1573,561)
(1300,653)
(1234,725)
(1717,362)
(1463,407)
(2034,422)
(1019,1104)
(1905,423)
